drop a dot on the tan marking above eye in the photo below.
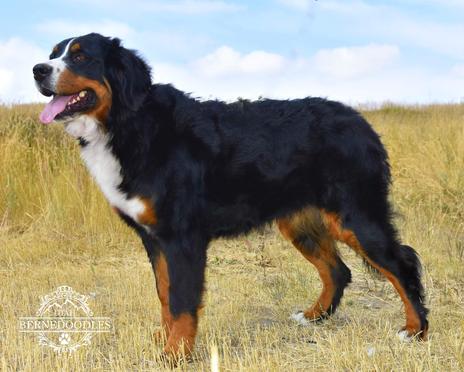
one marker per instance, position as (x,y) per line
(75,47)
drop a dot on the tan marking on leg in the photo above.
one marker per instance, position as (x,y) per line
(285,228)
(162,286)
(304,222)
(334,226)
(322,264)
(413,323)
(182,336)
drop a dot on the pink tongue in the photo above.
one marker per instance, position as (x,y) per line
(53,108)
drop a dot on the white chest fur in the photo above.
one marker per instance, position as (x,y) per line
(103,165)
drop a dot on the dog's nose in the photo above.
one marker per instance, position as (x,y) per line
(41,71)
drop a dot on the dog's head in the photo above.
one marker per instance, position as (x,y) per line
(91,75)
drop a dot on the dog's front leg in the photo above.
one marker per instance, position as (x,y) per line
(186,261)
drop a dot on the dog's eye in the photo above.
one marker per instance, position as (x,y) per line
(79,57)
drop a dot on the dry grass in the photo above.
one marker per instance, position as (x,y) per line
(56,228)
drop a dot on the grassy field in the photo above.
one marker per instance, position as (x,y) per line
(56,229)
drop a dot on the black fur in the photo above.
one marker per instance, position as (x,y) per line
(127,71)
(341,275)
(214,169)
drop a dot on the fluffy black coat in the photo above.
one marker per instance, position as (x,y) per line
(216,169)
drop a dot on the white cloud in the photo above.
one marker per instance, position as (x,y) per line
(16,80)
(353,75)
(355,61)
(347,62)
(227,61)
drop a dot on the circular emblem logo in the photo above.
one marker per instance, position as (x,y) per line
(64,321)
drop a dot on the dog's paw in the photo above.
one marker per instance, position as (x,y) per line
(409,335)
(404,336)
(299,317)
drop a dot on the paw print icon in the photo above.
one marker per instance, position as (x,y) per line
(64,339)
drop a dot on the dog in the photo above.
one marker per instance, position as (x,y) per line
(182,172)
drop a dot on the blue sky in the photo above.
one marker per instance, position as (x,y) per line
(357,51)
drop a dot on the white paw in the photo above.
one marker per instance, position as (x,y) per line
(300,318)
(404,336)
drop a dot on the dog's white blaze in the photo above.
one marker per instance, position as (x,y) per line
(58,65)
(300,318)
(103,165)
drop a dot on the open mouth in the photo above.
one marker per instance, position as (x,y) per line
(61,107)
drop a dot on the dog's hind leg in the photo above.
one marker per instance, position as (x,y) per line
(376,242)
(309,235)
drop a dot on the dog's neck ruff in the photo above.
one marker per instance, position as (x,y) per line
(103,164)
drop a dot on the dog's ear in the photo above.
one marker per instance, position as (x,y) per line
(128,75)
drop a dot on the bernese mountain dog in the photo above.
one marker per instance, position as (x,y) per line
(182,171)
